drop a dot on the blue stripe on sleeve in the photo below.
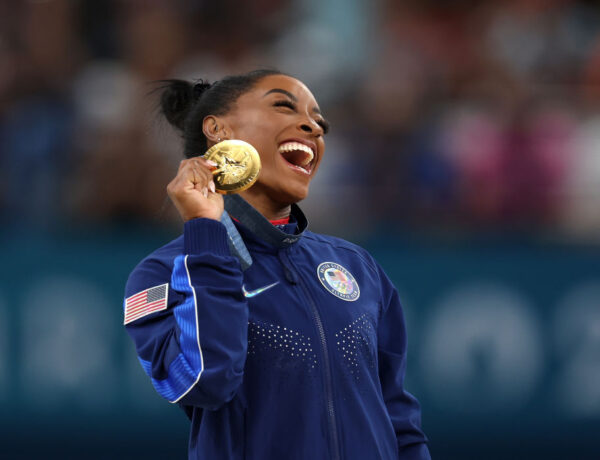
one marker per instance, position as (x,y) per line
(180,380)
(186,314)
(185,370)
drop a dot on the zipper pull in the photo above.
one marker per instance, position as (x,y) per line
(289,274)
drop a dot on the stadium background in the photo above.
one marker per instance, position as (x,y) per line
(464,153)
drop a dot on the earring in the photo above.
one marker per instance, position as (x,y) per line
(218,139)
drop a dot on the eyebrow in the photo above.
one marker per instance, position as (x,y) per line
(291,96)
(282,91)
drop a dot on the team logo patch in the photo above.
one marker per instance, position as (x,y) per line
(339,281)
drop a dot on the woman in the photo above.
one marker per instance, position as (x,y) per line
(288,346)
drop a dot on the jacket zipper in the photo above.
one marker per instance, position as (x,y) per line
(328,377)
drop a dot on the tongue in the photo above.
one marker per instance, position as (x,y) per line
(296,157)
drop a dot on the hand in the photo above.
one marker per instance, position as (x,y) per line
(192,191)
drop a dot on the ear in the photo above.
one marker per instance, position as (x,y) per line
(215,129)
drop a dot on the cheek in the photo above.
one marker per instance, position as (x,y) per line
(260,137)
(253,125)
(262,134)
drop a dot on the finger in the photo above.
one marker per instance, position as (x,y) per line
(195,176)
(202,170)
(208,164)
(182,179)
(204,163)
(211,164)
(215,197)
(194,173)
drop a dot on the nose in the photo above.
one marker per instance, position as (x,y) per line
(311,127)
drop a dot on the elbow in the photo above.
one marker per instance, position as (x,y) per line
(215,387)
(223,390)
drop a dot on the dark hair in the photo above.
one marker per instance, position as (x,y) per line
(185,104)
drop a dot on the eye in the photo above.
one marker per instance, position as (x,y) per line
(325,125)
(283,103)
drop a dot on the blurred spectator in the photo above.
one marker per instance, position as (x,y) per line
(467,114)
(123,167)
(41,53)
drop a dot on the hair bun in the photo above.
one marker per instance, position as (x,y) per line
(176,101)
(199,89)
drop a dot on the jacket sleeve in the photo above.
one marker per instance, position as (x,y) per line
(403,408)
(193,350)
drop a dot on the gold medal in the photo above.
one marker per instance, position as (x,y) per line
(238,165)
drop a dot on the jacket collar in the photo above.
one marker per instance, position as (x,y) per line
(254,221)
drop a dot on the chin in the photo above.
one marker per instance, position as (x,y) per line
(279,193)
(291,195)
(299,193)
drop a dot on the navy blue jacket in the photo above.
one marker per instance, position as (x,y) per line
(300,356)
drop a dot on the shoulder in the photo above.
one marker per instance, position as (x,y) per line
(156,268)
(358,259)
(351,250)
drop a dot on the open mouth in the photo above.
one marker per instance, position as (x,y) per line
(298,156)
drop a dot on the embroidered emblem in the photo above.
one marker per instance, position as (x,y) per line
(339,281)
(146,302)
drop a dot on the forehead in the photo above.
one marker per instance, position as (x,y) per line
(284,82)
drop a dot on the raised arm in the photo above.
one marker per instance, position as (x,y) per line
(187,315)
(194,349)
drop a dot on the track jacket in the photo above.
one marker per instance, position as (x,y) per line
(300,356)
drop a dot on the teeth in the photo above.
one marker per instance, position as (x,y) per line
(291,146)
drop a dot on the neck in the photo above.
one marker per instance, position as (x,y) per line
(269,209)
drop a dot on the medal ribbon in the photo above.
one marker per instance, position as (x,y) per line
(236,244)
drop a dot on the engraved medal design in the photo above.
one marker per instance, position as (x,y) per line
(238,165)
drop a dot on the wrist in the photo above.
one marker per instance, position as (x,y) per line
(205,235)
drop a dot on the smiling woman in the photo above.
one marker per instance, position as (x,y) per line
(276,342)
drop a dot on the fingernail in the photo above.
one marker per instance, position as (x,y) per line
(212,163)
(211,185)
(205,192)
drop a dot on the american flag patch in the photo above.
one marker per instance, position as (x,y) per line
(143,303)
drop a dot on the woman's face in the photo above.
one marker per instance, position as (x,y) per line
(281,119)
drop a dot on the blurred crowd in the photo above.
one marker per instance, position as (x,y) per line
(458,116)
